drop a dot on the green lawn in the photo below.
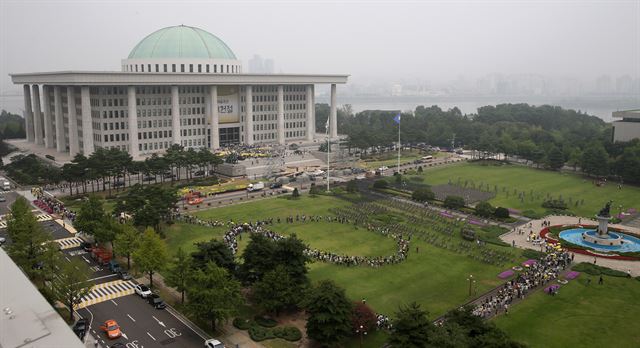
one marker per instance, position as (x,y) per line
(523,179)
(390,158)
(434,277)
(579,316)
(183,235)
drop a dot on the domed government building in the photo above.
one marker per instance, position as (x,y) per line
(179,85)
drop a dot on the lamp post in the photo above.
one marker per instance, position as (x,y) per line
(471,281)
(362,332)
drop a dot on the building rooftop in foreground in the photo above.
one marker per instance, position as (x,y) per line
(627,114)
(27,319)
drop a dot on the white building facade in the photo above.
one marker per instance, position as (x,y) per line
(626,126)
(179,85)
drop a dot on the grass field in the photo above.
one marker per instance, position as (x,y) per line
(541,182)
(390,158)
(434,277)
(579,316)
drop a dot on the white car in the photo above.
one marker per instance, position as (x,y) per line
(213,343)
(142,290)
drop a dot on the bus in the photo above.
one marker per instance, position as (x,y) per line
(427,158)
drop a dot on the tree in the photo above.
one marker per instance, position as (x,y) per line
(179,272)
(148,205)
(151,255)
(352,186)
(214,251)
(423,194)
(484,209)
(411,327)
(28,239)
(276,291)
(127,241)
(363,317)
(71,283)
(295,194)
(501,213)
(290,253)
(381,184)
(575,158)
(258,258)
(453,202)
(595,160)
(213,295)
(93,220)
(555,158)
(329,313)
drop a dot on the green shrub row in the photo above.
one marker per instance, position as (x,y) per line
(265,322)
(289,333)
(533,254)
(596,270)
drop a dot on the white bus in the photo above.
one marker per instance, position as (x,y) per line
(427,158)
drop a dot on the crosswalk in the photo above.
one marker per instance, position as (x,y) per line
(39,218)
(43,217)
(68,243)
(107,291)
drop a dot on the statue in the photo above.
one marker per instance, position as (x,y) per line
(606,211)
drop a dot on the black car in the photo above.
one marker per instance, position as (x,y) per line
(80,328)
(148,178)
(198,173)
(156,302)
(118,345)
(124,275)
(275,185)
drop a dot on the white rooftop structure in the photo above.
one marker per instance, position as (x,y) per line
(626,126)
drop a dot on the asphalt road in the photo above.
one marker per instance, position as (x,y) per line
(10,197)
(140,323)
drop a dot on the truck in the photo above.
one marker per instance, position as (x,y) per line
(255,187)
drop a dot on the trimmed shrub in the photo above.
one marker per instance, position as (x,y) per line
(532,214)
(501,213)
(381,184)
(484,209)
(289,333)
(533,254)
(454,202)
(423,194)
(596,270)
(554,204)
(259,333)
(242,323)
(265,322)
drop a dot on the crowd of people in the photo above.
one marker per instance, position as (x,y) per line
(51,205)
(537,274)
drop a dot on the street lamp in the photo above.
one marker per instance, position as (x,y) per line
(471,282)
(362,332)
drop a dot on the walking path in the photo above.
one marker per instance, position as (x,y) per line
(536,226)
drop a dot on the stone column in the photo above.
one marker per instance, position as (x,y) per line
(215,118)
(28,113)
(133,122)
(333,119)
(87,122)
(310,124)
(37,115)
(281,139)
(74,145)
(48,123)
(61,144)
(313,110)
(175,115)
(248,118)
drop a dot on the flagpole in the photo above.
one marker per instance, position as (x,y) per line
(328,153)
(399,120)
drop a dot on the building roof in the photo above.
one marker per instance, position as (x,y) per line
(115,78)
(27,319)
(627,114)
(181,42)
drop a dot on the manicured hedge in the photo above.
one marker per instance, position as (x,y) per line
(289,333)
(596,270)
(532,254)
(265,322)
(259,333)
(242,323)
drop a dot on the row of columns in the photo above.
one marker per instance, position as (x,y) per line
(39,125)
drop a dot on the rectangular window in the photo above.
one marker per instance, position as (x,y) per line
(157,67)
(181,67)
(215,68)
(165,67)
(173,67)
(207,67)
(148,67)
(191,68)
(199,68)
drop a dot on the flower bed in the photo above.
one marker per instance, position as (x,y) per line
(572,275)
(506,274)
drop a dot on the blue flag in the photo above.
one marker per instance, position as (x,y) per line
(397,118)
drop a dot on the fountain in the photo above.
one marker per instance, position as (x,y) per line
(601,238)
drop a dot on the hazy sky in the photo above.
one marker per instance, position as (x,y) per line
(367,39)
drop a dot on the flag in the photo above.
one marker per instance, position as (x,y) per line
(326,125)
(397,118)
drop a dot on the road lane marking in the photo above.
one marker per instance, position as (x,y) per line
(151,336)
(114,302)
(67,259)
(159,322)
(130,317)
(84,258)
(107,276)
(68,243)
(198,331)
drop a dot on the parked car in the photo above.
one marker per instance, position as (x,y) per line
(3,198)
(2,241)
(142,290)
(80,328)
(213,343)
(114,266)
(112,329)
(275,185)
(148,178)
(198,173)
(118,183)
(168,175)
(156,302)
(124,275)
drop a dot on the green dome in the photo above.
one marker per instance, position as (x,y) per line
(181,42)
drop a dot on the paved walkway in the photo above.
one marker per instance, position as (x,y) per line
(536,227)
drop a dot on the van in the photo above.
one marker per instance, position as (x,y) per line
(427,158)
